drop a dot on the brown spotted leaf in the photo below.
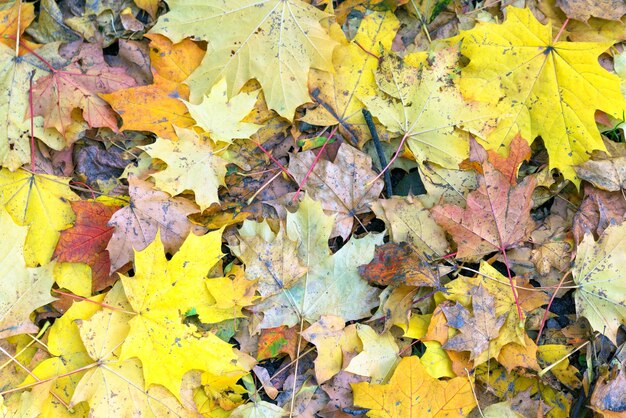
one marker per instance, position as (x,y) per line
(497,216)
(137,224)
(476,329)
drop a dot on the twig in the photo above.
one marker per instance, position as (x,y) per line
(379,150)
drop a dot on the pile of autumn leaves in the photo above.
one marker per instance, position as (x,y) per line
(158,341)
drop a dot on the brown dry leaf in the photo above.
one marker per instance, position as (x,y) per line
(608,174)
(609,397)
(584,9)
(137,224)
(396,264)
(270,259)
(342,185)
(413,392)
(409,221)
(598,210)
(497,216)
(475,330)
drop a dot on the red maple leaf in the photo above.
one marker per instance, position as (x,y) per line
(87,240)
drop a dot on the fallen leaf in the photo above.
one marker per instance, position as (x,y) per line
(477,330)
(122,380)
(330,280)
(41,202)
(221,117)
(413,392)
(408,220)
(332,338)
(137,224)
(608,174)
(247,39)
(76,86)
(598,272)
(276,341)
(583,9)
(192,164)
(396,264)
(22,290)
(379,356)
(608,396)
(87,239)
(497,216)
(336,93)
(160,293)
(342,185)
(541,85)
(425,106)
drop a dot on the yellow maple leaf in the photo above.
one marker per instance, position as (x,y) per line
(22,290)
(354,62)
(112,378)
(413,392)
(41,202)
(274,41)
(221,117)
(192,164)
(426,107)
(161,293)
(379,355)
(545,88)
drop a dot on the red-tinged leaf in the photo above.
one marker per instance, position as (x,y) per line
(276,341)
(497,216)
(396,264)
(519,151)
(76,86)
(87,240)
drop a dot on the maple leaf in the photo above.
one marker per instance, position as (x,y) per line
(413,392)
(269,258)
(396,264)
(22,290)
(408,220)
(337,92)
(136,225)
(15,73)
(329,281)
(342,185)
(332,338)
(426,107)
(221,117)
(65,344)
(192,164)
(599,271)
(87,239)
(230,295)
(112,378)
(475,331)
(247,39)
(549,89)
(76,86)
(41,202)
(160,293)
(13,21)
(497,216)
(378,357)
(160,102)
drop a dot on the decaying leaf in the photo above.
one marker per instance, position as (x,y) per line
(148,211)
(497,216)
(426,107)
(342,186)
(475,330)
(599,272)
